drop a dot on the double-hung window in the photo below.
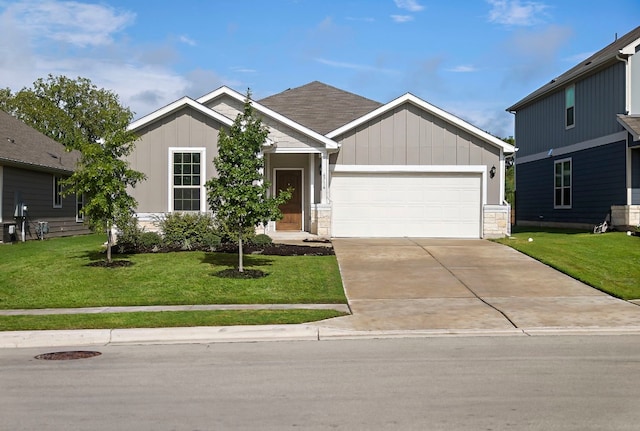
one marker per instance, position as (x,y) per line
(57,191)
(570,106)
(187,179)
(562,188)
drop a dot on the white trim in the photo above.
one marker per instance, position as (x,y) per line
(312,179)
(56,195)
(483,170)
(328,143)
(585,145)
(450,118)
(302,203)
(175,106)
(566,108)
(555,163)
(203,175)
(297,150)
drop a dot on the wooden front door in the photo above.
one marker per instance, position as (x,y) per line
(291,210)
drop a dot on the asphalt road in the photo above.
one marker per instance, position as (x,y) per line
(480,383)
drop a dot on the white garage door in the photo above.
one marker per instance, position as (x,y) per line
(440,205)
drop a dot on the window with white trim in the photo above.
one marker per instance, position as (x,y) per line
(187,180)
(562,185)
(57,191)
(570,106)
(79,207)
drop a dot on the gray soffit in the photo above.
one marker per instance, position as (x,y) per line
(320,107)
(22,145)
(601,58)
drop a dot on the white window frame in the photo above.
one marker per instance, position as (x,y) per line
(203,175)
(79,215)
(57,191)
(563,205)
(572,106)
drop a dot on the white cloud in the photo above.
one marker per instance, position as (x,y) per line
(361,19)
(71,22)
(187,40)
(515,12)
(353,66)
(241,69)
(462,69)
(577,58)
(410,5)
(402,18)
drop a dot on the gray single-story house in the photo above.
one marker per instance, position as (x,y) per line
(359,168)
(31,168)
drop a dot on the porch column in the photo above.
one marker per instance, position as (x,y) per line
(324,192)
(629,176)
(312,178)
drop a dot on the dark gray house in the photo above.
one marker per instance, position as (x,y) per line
(578,140)
(31,167)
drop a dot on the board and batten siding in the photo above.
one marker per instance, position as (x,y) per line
(598,182)
(36,191)
(184,128)
(540,126)
(409,135)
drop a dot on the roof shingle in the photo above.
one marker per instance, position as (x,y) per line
(23,145)
(320,107)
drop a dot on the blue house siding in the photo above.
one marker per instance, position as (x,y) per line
(598,99)
(598,181)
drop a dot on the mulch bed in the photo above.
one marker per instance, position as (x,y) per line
(279,249)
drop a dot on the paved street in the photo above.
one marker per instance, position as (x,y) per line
(453,383)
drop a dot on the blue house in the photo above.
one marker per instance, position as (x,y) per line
(578,140)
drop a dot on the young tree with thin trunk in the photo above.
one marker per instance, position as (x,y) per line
(91,120)
(238,196)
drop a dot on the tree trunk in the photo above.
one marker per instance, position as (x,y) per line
(109,242)
(240,266)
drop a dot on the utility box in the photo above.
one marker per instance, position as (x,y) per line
(9,232)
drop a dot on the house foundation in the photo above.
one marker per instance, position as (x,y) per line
(496,221)
(321,220)
(625,216)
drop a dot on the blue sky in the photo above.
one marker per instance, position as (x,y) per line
(472,58)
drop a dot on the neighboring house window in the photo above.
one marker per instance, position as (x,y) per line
(570,106)
(57,192)
(562,184)
(79,207)
(187,181)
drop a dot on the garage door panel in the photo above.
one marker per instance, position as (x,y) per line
(419,205)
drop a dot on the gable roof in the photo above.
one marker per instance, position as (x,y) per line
(24,146)
(621,48)
(434,110)
(176,106)
(319,106)
(632,124)
(266,111)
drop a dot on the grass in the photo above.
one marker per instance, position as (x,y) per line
(163,319)
(57,273)
(609,262)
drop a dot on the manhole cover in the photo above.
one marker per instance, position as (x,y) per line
(65,356)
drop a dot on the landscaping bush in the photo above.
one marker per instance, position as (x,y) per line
(187,230)
(261,240)
(128,236)
(149,240)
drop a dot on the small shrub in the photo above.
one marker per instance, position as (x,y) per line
(187,230)
(211,241)
(261,240)
(149,240)
(128,236)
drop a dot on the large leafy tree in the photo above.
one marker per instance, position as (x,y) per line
(238,196)
(91,120)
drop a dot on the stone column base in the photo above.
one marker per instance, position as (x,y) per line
(321,220)
(625,216)
(496,221)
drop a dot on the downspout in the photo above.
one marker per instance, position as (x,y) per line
(627,108)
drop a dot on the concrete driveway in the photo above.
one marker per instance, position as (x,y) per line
(442,284)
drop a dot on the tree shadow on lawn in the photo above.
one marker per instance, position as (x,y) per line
(99,259)
(230,263)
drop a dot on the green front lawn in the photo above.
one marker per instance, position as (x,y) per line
(57,273)
(609,262)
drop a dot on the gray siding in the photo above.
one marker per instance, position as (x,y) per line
(36,191)
(409,135)
(598,98)
(598,181)
(184,128)
(634,62)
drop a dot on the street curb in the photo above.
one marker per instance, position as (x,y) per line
(235,334)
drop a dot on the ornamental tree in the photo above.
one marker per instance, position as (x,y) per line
(91,120)
(238,196)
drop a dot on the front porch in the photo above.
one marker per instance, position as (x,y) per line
(308,212)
